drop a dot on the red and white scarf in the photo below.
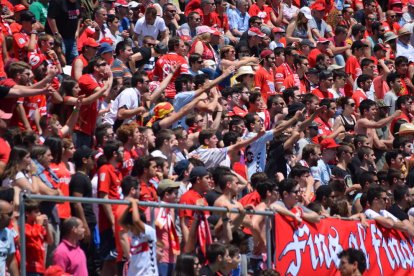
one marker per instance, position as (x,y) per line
(164,220)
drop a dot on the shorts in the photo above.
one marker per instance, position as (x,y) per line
(107,246)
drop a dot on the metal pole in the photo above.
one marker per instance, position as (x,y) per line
(141,203)
(152,213)
(268,243)
(22,227)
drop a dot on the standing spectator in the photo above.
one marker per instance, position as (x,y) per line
(150,24)
(63,22)
(119,66)
(8,249)
(264,77)
(39,9)
(145,169)
(164,65)
(218,259)
(80,185)
(37,233)
(109,181)
(25,40)
(143,262)
(80,63)
(98,77)
(68,254)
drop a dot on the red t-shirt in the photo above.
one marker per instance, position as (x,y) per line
(64,178)
(118,228)
(263,12)
(282,72)
(109,181)
(312,57)
(190,197)
(324,128)
(322,95)
(84,62)
(252,198)
(353,68)
(88,113)
(403,116)
(380,87)
(220,22)
(359,96)
(147,192)
(163,68)
(294,80)
(4,151)
(35,250)
(128,163)
(265,81)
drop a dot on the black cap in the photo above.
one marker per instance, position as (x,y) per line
(83,152)
(27,16)
(180,168)
(198,171)
(313,71)
(161,48)
(307,42)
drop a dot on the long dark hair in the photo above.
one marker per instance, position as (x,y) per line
(185,265)
(56,148)
(16,156)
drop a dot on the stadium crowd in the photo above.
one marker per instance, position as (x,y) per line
(302,107)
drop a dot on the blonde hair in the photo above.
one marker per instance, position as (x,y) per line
(204,37)
(225,49)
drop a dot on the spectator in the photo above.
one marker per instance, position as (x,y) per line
(68,254)
(352,262)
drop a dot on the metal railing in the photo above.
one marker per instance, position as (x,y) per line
(152,205)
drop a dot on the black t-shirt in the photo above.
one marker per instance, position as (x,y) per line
(146,56)
(398,212)
(4,91)
(66,15)
(276,161)
(212,196)
(343,174)
(80,183)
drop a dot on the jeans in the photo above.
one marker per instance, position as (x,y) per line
(70,48)
(80,139)
(165,269)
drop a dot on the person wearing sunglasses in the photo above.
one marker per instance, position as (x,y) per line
(346,118)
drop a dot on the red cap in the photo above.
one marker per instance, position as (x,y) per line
(19,7)
(185,38)
(318,6)
(35,60)
(397,10)
(328,143)
(255,32)
(4,115)
(106,40)
(278,30)
(395,2)
(411,2)
(91,43)
(266,53)
(322,40)
(121,3)
(215,32)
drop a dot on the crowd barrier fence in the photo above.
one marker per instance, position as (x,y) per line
(24,196)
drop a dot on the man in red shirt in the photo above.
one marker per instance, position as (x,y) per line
(352,65)
(176,55)
(264,77)
(299,79)
(287,68)
(145,169)
(364,82)
(325,82)
(109,181)
(25,41)
(323,120)
(89,49)
(322,47)
(391,24)
(129,135)
(200,180)
(98,77)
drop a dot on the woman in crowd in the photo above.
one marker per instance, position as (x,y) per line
(299,28)
(346,118)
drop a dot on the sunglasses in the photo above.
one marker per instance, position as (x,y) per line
(351,104)
(199,61)
(101,64)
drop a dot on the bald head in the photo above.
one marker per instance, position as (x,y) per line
(6,212)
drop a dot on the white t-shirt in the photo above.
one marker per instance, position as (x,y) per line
(129,99)
(143,253)
(143,29)
(211,157)
(371,214)
(256,153)
(181,100)
(8,182)
(7,248)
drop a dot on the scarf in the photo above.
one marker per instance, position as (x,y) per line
(203,233)
(164,220)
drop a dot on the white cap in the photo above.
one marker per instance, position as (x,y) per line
(306,12)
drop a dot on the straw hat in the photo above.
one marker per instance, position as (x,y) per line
(244,70)
(407,128)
